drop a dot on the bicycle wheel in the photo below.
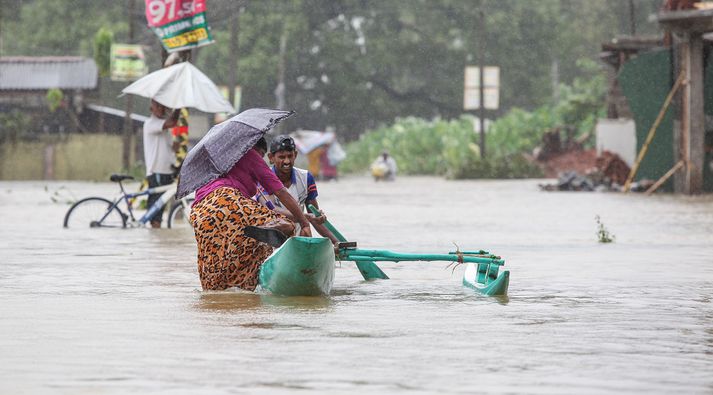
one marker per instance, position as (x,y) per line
(94,212)
(177,218)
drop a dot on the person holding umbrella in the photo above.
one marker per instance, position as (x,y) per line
(159,156)
(224,168)
(177,86)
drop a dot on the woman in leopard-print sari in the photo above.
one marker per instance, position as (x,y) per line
(222,210)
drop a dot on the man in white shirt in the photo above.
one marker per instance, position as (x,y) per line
(384,167)
(158,152)
(299,183)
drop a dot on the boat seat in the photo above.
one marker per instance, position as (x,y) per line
(493,273)
(487,272)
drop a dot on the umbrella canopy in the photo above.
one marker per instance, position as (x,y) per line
(223,146)
(309,140)
(181,85)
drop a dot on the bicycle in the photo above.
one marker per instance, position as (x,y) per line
(98,212)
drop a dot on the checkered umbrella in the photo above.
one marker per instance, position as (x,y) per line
(223,146)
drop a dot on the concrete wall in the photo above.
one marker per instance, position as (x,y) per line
(617,136)
(76,157)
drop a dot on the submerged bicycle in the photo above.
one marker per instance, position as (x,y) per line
(98,212)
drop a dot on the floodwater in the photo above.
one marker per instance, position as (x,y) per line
(121,311)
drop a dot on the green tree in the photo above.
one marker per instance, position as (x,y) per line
(358,64)
(102,50)
(54,99)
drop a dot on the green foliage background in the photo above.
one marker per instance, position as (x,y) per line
(354,64)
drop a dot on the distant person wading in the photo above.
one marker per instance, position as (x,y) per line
(384,167)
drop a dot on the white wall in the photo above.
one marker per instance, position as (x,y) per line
(617,136)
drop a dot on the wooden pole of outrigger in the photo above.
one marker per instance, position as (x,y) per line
(368,269)
(385,255)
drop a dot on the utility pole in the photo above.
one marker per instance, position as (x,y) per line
(128,123)
(234,47)
(481,66)
(281,66)
(632,18)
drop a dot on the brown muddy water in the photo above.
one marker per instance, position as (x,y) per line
(121,311)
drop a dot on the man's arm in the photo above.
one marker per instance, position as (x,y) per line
(318,222)
(291,204)
(172,119)
(312,202)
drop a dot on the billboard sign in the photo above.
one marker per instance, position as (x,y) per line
(179,24)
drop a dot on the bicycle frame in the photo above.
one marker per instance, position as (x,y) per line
(167,191)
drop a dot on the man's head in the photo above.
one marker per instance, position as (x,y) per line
(158,109)
(283,153)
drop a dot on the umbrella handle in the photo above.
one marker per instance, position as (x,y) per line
(268,203)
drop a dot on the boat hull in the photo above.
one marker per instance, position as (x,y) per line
(302,266)
(484,282)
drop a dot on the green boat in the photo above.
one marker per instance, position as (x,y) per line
(485,279)
(302,266)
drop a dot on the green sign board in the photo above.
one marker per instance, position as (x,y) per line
(127,62)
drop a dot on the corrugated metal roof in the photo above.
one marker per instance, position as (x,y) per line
(116,112)
(47,72)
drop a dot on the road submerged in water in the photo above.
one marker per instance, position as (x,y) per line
(114,311)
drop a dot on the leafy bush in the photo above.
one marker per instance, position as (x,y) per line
(580,105)
(14,124)
(417,145)
(436,147)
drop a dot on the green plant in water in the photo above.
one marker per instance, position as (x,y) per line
(602,233)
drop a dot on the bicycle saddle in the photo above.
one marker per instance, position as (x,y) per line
(120,177)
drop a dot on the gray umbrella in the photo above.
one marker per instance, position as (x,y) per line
(223,146)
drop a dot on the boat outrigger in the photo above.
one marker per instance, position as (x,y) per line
(304,266)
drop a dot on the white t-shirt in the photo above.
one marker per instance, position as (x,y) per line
(302,188)
(158,154)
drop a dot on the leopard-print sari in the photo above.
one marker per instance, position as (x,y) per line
(226,258)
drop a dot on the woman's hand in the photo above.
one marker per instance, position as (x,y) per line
(306,231)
